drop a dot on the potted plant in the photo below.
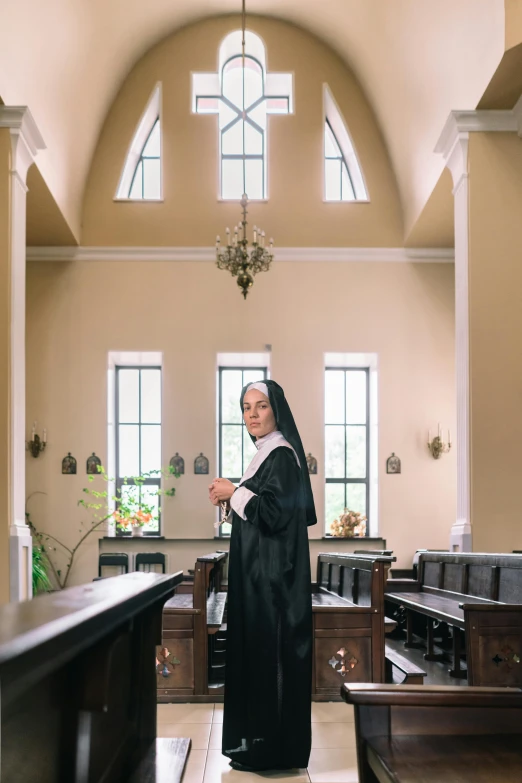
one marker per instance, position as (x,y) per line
(129,516)
(351,524)
(132,520)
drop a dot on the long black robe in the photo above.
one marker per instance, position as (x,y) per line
(267,713)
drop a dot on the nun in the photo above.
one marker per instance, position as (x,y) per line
(267,711)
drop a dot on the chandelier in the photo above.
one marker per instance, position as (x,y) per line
(236,256)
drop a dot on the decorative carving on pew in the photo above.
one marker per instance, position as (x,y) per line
(163,663)
(508,657)
(346,663)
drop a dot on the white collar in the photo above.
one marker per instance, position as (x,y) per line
(260,442)
(265,446)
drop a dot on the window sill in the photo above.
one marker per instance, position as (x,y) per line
(133,538)
(352,538)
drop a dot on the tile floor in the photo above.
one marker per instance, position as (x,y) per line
(332,760)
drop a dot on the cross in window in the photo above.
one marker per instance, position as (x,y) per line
(242,98)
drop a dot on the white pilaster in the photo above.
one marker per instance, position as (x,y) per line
(25,143)
(453,145)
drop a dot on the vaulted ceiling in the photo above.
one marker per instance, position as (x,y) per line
(415,59)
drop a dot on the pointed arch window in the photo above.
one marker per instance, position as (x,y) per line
(242,98)
(141,176)
(343,177)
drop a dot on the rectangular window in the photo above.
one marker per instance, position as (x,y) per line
(347,442)
(236,448)
(138,437)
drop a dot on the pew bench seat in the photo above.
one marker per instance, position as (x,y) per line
(182,602)
(430,759)
(446,609)
(400,670)
(409,734)
(216,603)
(325,600)
(477,600)
(164,761)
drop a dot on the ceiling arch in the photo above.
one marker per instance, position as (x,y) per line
(415,59)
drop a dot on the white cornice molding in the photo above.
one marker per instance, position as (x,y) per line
(208,254)
(453,141)
(26,139)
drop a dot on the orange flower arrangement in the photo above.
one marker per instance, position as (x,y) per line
(351,524)
(126,519)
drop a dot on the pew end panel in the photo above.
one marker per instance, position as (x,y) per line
(191,621)
(348,617)
(494,644)
(407,733)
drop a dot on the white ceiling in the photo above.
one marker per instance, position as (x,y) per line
(415,59)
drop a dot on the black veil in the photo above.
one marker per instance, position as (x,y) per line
(286,425)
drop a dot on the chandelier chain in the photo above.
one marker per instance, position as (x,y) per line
(235,256)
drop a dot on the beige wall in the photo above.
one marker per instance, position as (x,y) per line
(191,214)
(495,237)
(191,311)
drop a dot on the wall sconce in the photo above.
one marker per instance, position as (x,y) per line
(36,444)
(437,446)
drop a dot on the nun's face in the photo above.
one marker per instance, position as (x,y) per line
(258,414)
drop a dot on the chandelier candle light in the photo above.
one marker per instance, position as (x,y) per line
(36,445)
(236,257)
(437,446)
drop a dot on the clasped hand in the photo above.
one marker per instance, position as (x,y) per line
(220,490)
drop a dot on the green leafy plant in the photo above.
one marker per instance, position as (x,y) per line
(41,581)
(134,508)
(99,504)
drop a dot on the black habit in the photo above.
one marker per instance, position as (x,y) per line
(267,712)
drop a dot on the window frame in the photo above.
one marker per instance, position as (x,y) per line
(227,368)
(120,481)
(276,86)
(150,116)
(333,117)
(367,425)
(140,160)
(344,164)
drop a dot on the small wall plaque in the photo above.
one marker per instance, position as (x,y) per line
(178,463)
(93,462)
(69,465)
(393,464)
(201,464)
(312,464)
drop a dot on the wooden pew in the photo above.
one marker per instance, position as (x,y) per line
(476,594)
(349,622)
(190,664)
(78,684)
(429,734)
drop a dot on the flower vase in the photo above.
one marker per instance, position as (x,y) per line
(137,531)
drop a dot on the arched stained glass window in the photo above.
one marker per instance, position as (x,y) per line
(242,97)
